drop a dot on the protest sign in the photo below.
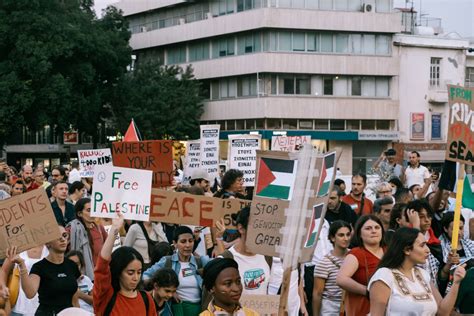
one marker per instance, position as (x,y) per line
(242,155)
(289,143)
(89,159)
(262,304)
(274,189)
(187,209)
(210,149)
(27,221)
(122,190)
(192,162)
(460,145)
(154,155)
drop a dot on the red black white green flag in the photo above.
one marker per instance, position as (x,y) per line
(313,229)
(276,178)
(327,172)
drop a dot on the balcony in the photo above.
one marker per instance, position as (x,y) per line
(438,91)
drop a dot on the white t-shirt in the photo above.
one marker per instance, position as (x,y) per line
(275,282)
(416,175)
(85,285)
(407,298)
(24,305)
(188,289)
(254,272)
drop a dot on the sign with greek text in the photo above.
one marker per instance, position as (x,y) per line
(289,143)
(187,209)
(262,304)
(210,149)
(154,155)
(27,221)
(192,161)
(89,159)
(460,145)
(121,190)
(243,155)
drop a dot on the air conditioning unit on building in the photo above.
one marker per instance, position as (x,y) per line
(142,29)
(208,15)
(368,7)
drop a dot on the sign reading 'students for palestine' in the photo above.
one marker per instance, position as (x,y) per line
(460,145)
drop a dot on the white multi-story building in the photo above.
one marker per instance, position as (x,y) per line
(324,68)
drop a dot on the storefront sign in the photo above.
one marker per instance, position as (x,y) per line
(71,138)
(243,155)
(461,125)
(436,126)
(123,190)
(379,135)
(417,126)
(210,149)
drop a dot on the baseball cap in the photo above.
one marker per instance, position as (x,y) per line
(390,152)
(200,174)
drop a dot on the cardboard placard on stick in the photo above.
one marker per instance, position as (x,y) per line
(460,145)
(192,161)
(154,155)
(262,304)
(187,209)
(210,149)
(27,221)
(90,158)
(242,155)
(123,190)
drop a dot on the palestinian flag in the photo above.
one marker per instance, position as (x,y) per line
(313,228)
(467,194)
(329,168)
(132,134)
(276,178)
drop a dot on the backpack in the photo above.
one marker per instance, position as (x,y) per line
(111,303)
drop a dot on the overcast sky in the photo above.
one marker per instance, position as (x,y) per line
(457,15)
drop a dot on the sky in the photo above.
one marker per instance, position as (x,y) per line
(457,15)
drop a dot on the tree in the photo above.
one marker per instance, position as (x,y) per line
(164,101)
(59,64)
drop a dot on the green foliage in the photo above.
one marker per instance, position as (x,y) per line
(59,64)
(164,101)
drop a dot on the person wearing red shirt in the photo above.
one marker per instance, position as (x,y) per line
(27,176)
(356,199)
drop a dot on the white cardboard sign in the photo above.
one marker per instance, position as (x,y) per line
(243,155)
(192,160)
(91,158)
(210,149)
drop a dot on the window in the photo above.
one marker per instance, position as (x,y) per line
(354,5)
(328,86)
(227,88)
(382,87)
(469,77)
(243,5)
(284,3)
(288,86)
(176,55)
(303,85)
(273,123)
(325,4)
(223,47)
(239,124)
(312,42)
(312,4)
(249,124)
(215,90)
(298,41)
(356,43)
(341,5)
(383,125)
(248,44)
(326,43)
(369,44)
(247,86)
(382,45)
(289,124)
(321,124)
(340,86)
(337,125)
(368,86)
(259,124)
(435,71)
(305,124)
(382,5)
(353,125)
(198,51)
(270,41)
(231,125)
(342,43)
(356,86)
(284,41)
(368,124)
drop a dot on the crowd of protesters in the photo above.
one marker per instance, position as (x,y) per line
(388,256)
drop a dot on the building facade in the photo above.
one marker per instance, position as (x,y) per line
(324,68)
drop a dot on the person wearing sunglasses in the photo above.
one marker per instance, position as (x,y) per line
(54,278)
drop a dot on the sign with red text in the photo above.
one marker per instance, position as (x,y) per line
(154,155)
(243,155)
(188,209)
(262,304)
(289,143)
(90,158)
(210,149)
(460,146)
(27,221)
(121,190)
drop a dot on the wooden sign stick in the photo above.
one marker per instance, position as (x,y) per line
(457,209)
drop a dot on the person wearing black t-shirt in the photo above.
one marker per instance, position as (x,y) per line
(338,210)
(54,278)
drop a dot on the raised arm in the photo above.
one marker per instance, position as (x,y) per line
(29,283)
(117,223)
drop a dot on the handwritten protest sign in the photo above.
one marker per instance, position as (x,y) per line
(154,155)
(89,159)
(262,304)
(243,155)
(210,149)
(27,221)
(122,190)
(192,160)
(188,209)
(460,146)
(289,143)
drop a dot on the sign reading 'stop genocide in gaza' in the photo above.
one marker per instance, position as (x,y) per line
(90,158)
(154,155)
(27,221)
(243,155)
(460,145)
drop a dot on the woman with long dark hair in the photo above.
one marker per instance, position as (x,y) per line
(143,236)
(86,235)
(400,287)
(360,263)
(117,278)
